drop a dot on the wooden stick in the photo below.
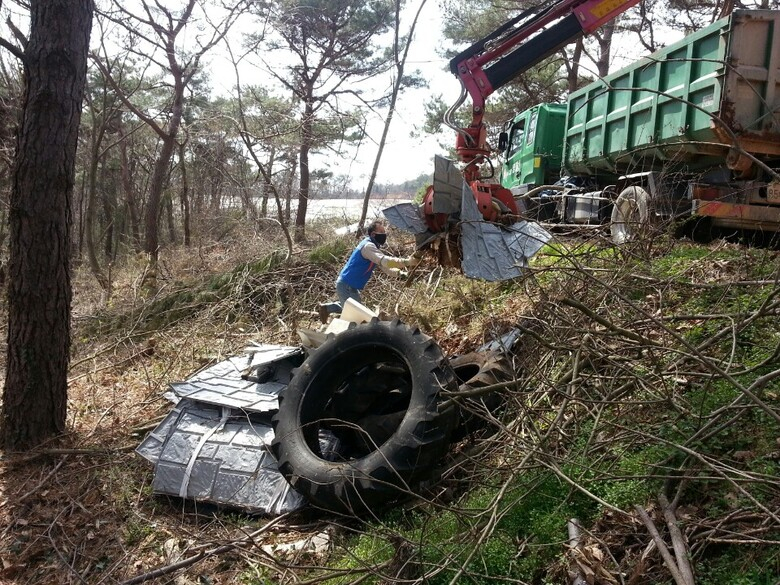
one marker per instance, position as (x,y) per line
(662,548)
(576,576)
(678,540)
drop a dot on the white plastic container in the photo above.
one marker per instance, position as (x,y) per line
(356,312)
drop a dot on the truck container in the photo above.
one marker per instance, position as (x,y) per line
(693,129)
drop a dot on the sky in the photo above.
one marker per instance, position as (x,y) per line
(406,156)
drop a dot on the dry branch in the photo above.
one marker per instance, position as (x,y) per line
(668,559)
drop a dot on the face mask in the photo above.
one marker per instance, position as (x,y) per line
(379,239)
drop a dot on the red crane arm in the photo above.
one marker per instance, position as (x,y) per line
(517,46)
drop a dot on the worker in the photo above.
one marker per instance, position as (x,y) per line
(360,266)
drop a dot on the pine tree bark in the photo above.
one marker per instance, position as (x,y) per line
(39,287)
(184,196)
(303,163)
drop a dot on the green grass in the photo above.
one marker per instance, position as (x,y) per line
(332,252)
(733,567)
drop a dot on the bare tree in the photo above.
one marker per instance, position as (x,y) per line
(573,66)
(400,54)
(254,144)
(39,287)
(156,33)
(102,113)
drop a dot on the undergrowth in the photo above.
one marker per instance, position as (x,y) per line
(646,382)
(654,385)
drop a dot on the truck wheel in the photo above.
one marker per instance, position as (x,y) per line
(362,423)
(630,215)
(474,371)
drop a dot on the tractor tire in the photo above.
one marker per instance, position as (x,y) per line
(361,423)
(474,371)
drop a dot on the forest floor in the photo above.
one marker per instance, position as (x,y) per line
(81,509)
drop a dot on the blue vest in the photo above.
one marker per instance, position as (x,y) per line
(357,270)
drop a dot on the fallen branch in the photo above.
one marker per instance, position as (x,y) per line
(662,548)
(41,483)
(575,572)
(678,540)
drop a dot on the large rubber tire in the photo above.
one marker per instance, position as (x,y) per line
(478,370)
(361,424)
(630,215)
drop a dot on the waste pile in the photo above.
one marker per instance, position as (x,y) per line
(357,417)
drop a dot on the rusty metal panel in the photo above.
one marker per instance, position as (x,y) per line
(736,215)
(752,80)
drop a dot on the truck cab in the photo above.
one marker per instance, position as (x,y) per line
(532,146)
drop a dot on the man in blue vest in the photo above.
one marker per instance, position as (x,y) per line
(360,266)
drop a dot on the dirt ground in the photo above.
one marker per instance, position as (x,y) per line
(80,509)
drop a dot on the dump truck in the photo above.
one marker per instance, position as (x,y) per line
(691,132)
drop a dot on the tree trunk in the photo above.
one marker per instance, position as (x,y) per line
(267,187)
(39,292)
(185,197)
(605,48)
(161,166)
(288,193)
(154,205)
(168,203)
(303,190)
(89,217)
(573,67)
(129,191)
(80,208)
(108,199)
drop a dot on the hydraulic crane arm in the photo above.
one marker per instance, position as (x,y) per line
(515,47)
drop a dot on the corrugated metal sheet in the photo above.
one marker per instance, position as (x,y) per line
(492,252)
(235,383)
(213,446)
(447,181)
(406,217)
(220,455)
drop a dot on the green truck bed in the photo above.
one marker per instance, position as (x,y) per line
(684,104)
